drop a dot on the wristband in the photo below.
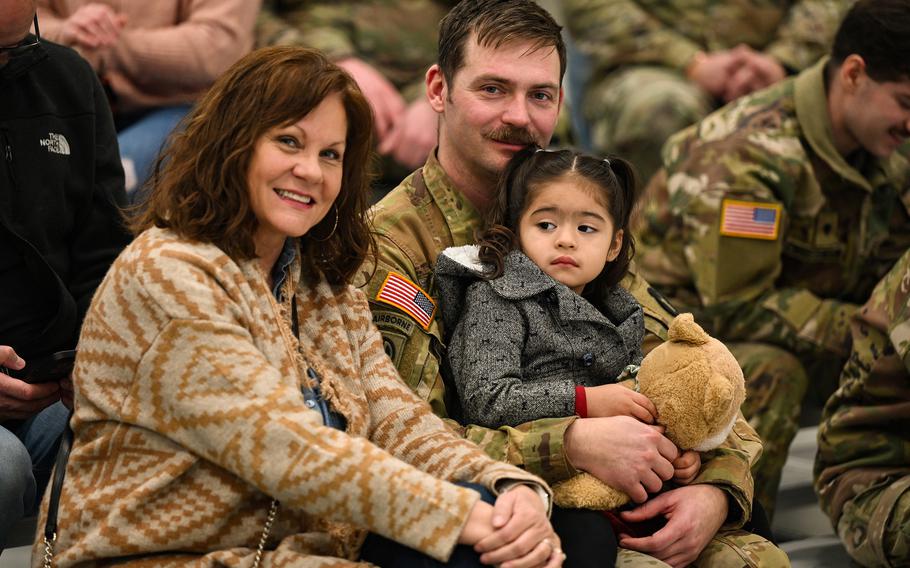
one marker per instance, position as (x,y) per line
(581,402)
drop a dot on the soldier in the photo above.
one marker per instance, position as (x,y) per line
(862,470)
(775,216)
(496,88)
(659,66)
(387,47)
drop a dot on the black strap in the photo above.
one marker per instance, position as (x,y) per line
(63,455)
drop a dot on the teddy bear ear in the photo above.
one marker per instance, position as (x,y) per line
(684,329)
(719,400)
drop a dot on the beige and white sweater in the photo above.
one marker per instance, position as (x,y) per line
(189,420)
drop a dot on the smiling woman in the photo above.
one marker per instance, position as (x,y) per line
(234,403)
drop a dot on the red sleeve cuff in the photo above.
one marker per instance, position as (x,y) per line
(581,402)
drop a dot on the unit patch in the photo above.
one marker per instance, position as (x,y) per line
(750,219)
(387,320)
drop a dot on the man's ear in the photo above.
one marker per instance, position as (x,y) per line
(437,90)
(852,72)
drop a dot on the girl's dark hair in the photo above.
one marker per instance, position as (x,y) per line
(529,170)
(199,187)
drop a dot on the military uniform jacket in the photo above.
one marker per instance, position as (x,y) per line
(413,224)
(762,228)
(524,341)
(864,436)
(668,33)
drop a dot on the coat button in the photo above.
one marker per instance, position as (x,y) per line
(587,359)
(310,403)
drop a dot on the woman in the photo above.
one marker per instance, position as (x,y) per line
(221,329)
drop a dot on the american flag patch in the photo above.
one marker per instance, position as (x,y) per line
(400,292)
(750,219)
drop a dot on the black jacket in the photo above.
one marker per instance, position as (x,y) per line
(61,188)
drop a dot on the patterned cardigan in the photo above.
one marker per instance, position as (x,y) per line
(189,420)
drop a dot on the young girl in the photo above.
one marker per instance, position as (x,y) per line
(543,329)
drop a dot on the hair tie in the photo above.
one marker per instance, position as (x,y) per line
(607,161)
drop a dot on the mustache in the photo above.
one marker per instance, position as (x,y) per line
(512,135)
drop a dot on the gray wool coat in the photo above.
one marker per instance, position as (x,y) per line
(524,341)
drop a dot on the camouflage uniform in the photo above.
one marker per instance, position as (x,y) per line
(862,470)
(782,303)
(413,224)
(638,95)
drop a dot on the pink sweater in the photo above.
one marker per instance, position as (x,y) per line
(170,50)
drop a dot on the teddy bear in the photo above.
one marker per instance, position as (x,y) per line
(696,385)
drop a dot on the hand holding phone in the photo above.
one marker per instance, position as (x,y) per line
(53,367)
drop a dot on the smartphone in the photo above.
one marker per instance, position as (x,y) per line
(45,369)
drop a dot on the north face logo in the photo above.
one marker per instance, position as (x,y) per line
(56,144)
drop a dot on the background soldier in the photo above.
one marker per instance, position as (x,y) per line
(862,470)
(774,217)
(658,66)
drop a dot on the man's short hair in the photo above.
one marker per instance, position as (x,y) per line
(495,23)
(879,32)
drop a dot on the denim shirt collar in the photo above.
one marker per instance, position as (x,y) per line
(280,270)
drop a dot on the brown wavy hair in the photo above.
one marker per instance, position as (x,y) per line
(613,181)
(199,186)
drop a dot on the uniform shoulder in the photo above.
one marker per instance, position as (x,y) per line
(399,203)
(769,113)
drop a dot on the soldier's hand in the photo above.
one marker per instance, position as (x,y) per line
(712,71)
(387,103)
(19,399)
(755,71)
(622,452)
(686,467)
(617,400)
(413,136)
(694,514)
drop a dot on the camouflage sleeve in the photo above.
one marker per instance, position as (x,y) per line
(898,308)
(619,32)
(729,467)
(807,32)
(323,25)
(535,446)
(740,301)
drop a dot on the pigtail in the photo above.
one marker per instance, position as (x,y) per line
(619,176)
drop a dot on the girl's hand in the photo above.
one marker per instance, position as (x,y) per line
(617,400)
(686,467)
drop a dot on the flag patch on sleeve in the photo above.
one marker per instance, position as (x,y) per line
(400,292)
(750,219)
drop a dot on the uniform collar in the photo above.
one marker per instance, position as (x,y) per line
(812,113)
(523,279)
(460,214)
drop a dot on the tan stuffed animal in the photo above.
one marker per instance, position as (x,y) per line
(696,385)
